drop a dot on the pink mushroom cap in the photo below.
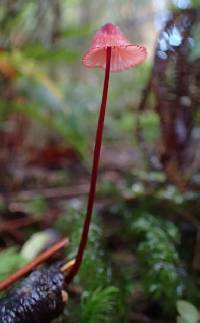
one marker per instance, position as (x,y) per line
(124,54)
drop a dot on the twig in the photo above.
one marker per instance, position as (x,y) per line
(17,224)
(31,265)
(67,267)
(51,193)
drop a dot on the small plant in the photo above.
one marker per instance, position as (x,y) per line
(100,299)
(98,306)
(162,274)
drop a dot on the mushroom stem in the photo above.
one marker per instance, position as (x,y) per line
(93,180)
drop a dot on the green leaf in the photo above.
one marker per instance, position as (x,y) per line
(188,312)
(34,245)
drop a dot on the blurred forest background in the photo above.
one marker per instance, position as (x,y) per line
(143,256)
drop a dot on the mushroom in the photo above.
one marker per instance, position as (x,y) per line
(111,51)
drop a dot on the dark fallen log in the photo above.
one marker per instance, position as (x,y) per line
(38,299)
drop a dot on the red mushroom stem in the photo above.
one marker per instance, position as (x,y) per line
(96,157)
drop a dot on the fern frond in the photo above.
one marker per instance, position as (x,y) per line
(98,306)
(162,273)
